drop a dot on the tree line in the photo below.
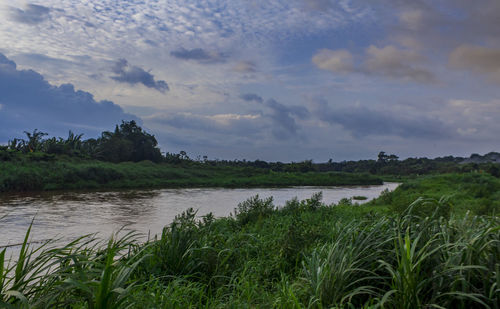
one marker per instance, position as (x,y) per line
(128,142)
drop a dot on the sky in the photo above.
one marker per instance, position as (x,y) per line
(279,80)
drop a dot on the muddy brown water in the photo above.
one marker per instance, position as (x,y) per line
(68,215)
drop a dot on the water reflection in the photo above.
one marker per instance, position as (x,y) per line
(68,215)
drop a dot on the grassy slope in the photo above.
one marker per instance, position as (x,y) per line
(24,175)
(304,255)
(470,191)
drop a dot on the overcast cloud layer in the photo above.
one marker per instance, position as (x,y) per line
(277,80)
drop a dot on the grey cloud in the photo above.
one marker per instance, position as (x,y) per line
(444,24)
(389,61)
(362,121)
(477,58)
(252,97)
(318,4)
(34,57)
(227,124)
(245,67)
(433,28)
(279,120)
(294,110)
(29,102)
(132,75)
(322,5)
(6,63)
(32,14)
(397,63)
(281,116)
(199,55)
(151,42)
(284,118)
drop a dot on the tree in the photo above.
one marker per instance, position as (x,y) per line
(128,143)
(34,141)
(382,157)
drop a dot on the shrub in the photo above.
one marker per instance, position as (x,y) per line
(359,198)
(254,209)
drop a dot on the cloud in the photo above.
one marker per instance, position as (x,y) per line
(282,116)
(29,102)
(396,63)
(389,61)
(6,63)
(252,97)
(318,4)
(39,58)
(479,59)
(348,6)
(334,60)
(132,75)
(476,120)
(245,67)
(277,119)
(31,15)
(118,26)
(414,19)
(362,121)
(198,55)
(440,25)
(226,124)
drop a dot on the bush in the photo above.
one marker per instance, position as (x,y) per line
(254,209)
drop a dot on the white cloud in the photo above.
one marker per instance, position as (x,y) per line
(389,61)
(413,19)
(108,25)
(242,125)
(334,60)
(146,32)
(396,63)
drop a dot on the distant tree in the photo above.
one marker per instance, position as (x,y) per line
(128,143)
(392,157)
(382,157)
(34,142)
(183,155)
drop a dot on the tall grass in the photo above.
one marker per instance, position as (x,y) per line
(304,255)
(83,273)
(74,173)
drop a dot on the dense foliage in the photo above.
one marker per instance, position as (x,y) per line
(36,171)
(302,255)
(479,192)
(127,143)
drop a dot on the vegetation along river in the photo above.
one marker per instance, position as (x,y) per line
(68,215)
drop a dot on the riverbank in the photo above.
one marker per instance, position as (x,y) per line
(71,174)
(463,192)
(303,255)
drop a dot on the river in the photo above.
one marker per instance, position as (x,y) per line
(68,215)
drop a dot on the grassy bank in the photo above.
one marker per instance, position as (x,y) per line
(41,172)
(302,255)
(479,192)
